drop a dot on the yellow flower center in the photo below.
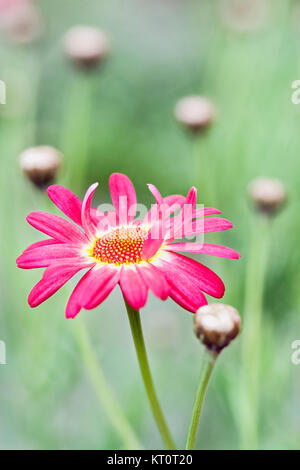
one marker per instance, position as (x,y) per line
(120,245)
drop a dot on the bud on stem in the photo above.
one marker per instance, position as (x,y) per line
(267,194)
(40,164)
(216,325)
(86,46)
(196,113)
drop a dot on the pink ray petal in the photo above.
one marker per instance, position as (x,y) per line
(213,224)
(186,301)
(53,279)
(106,278)
(86,218)
(66,201)
(174,199)
(133,287)
(92,289)
(150,248)
(186,271)
(205,249)
(178,223)
(43,256)
(184,227)
(158,197)
(185,288)
(48,241)
(123,197)
(191,197)
(154,240)
(203,211)
(56,227)
(155,280)
(96,215)
(173,203)
(184,285)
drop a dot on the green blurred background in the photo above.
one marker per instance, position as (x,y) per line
(160,51)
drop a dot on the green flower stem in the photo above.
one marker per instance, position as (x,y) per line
(203,177)
(203,172)
(102,388)
(207,366)
(137,334)
(251,343)
(76,127)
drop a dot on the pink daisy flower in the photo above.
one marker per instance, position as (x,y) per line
(115,248)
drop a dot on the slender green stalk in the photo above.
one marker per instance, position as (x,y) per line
(207,366)
(251,343)
(203,177)
(137,334)
(202,168)
(76,127)
(102,388)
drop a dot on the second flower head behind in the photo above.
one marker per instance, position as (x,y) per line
(116,248)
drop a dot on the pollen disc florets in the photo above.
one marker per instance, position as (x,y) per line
(122,245)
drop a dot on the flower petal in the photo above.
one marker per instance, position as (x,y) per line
(66,201)
(48,241)
(53,279)
(185,290)
(105,279)
(173,199)
(158,197)
(155,280)
(177,224)
(186,301)
(133,287)
(173,203)
(92,289)
(213,224)
(150,248)
(187,227)
(205,211)
(43,256)
(123,197)
(187,272)
(191,197)
(185,287)
(86,218)
(154,240)
(56,227)
(205,249)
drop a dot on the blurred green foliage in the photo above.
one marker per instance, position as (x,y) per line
(161,51)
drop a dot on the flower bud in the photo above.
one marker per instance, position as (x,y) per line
(195,112)
(244,15)
(267,194)
(40,164)
(216,325)
(86,46)
(20,20)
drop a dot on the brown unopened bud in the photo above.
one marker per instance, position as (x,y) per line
(244,15)
(40,164)
(268,194)
(195,112)
(86,46)
(216,325)
(21,21)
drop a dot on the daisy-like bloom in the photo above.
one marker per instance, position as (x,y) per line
(115,248)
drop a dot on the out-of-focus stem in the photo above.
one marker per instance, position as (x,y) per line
(102,388)
(251,342)
(208,362)
(138,338)
(76,127)
(202,175)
